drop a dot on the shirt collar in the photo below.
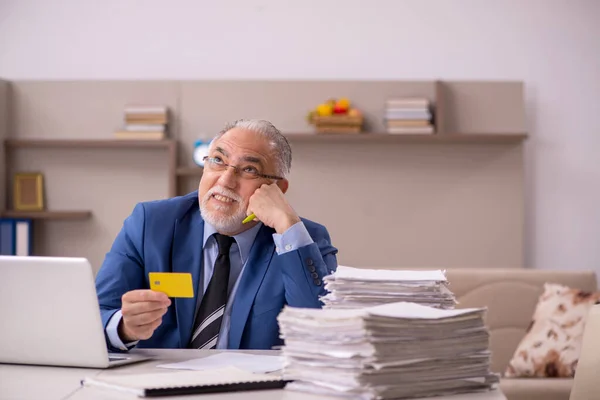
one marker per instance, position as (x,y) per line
(244,240)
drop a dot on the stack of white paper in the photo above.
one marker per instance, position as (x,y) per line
(355,288)
(396,350)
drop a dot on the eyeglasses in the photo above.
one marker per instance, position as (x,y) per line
(248,172)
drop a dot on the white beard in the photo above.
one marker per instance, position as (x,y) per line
(223,223)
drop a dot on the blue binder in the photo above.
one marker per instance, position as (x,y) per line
(16,237)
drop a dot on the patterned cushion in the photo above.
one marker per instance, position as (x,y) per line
(552,344)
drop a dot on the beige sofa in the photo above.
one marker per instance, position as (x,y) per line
(511,296)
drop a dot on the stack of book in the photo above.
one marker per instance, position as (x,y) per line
(144,123)
(392,351)
(355,288)
(408,116)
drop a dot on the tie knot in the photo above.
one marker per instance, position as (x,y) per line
(224,243)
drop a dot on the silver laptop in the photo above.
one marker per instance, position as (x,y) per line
(50,314)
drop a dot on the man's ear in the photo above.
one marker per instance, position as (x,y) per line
(283,184)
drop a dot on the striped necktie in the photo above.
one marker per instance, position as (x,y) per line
(210,313)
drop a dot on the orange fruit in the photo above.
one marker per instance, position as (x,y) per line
(343,102)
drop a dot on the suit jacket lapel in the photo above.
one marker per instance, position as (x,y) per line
(252,276)
(187,257)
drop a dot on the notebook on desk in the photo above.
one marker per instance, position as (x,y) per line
(227,379)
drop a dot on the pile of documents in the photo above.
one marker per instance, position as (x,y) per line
(396,350)
(356,288)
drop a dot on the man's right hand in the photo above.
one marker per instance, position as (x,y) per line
(142,313)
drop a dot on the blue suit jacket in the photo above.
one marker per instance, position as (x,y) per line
(167,236)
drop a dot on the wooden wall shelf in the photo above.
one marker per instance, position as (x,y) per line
(55,215)
(190,171)
(80,116)
(90,143)
(476,138)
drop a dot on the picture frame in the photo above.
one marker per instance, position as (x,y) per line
(28,192)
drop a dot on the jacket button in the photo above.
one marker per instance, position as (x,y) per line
(317,282)
(314,275)
(312,268)
(309,261)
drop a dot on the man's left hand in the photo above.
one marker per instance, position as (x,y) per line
(270,206)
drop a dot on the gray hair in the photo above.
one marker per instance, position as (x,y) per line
(279,144)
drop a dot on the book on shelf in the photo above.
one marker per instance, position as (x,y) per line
(146,109)
(409,115)
(146,119)
(401,123)
(144,122)
(145,113)
(144,127)
(406,113)
(409,130)
(408,102)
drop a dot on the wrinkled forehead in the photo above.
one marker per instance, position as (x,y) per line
(245,145)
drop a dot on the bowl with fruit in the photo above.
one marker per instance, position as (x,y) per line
(336,116)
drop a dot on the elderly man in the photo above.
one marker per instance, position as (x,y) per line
(243,273)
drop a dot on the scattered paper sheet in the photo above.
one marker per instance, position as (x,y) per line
(247,362)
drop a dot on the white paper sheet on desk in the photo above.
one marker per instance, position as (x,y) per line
(248,362)
(408,310)
(345,272)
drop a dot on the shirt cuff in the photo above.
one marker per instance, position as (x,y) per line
(112,331)
(295,237)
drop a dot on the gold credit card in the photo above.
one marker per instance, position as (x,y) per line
(173,284)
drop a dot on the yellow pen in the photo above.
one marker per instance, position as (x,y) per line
(248,218)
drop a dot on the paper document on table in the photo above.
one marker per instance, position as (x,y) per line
(387,351)
(248,362)
(344,272)
(407,310)
(350,288)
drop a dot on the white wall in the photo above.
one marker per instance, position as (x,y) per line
(552,45)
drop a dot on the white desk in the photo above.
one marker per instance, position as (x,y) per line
(58,383)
